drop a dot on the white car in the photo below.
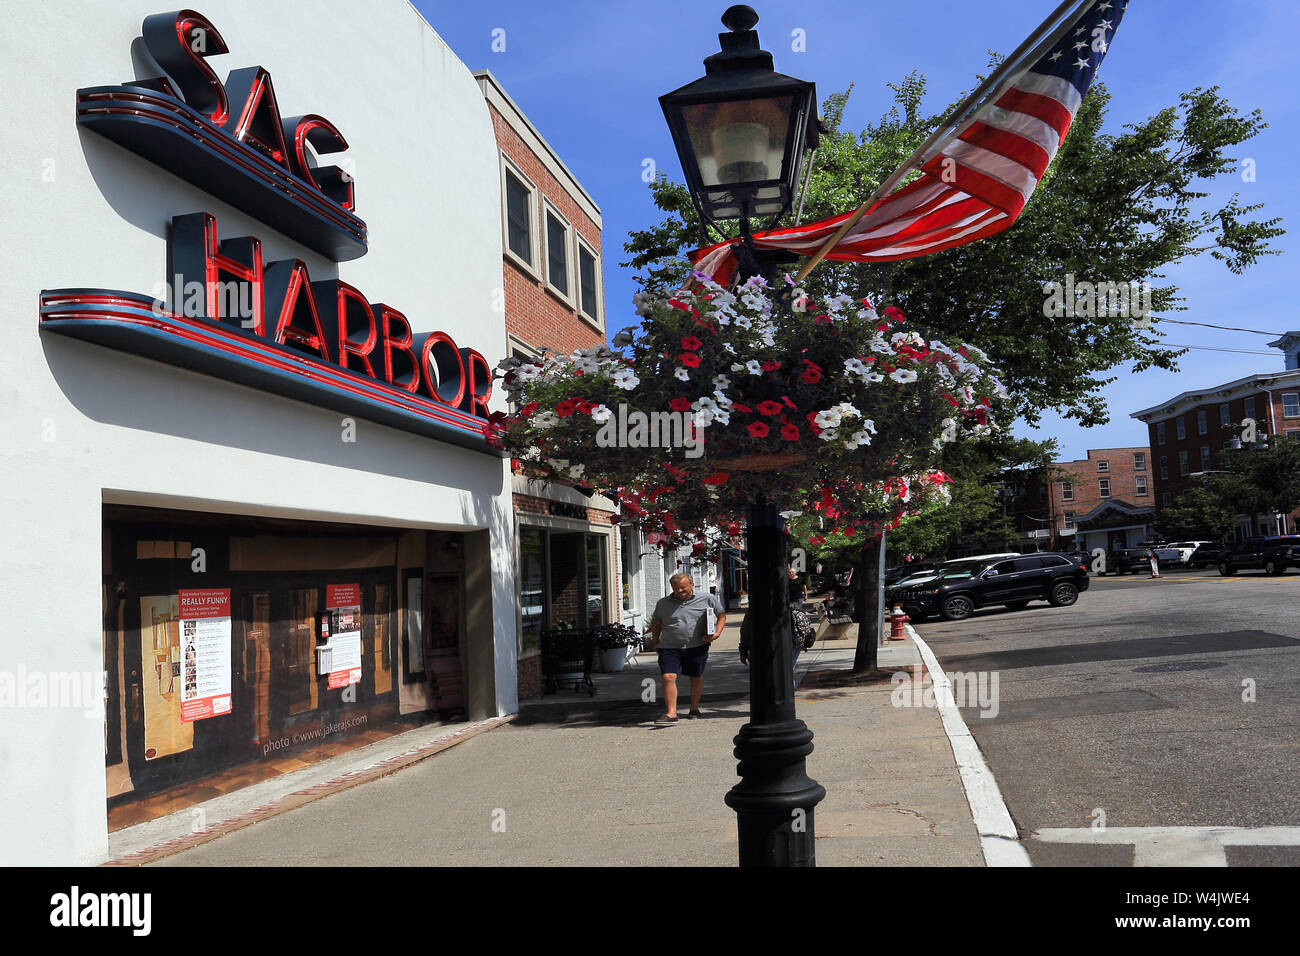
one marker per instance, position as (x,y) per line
(1185,549)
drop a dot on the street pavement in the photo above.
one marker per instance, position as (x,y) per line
(1155,722)
(577,780)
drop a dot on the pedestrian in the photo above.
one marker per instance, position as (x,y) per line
(798,587)
(799,628)
(681,629)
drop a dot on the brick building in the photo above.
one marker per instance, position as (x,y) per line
(1190,430)
(568,551)
(1103,500)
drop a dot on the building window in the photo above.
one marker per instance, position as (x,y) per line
(1166,500)
(1141,485)
(1103,487)
(1182,462)
(1293,433)
(1205,458)
(519,218)
(1249,405)
(1164,467)
(1225,416)
(1160,433)
(1291,405)
(1103,467)
(1180,425)
(588,284)
(1202,422)
(1067,491)
(557,254)
(1139,461)
(1069,521)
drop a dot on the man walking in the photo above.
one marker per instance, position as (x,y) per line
(680,630)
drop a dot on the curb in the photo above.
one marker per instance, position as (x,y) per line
(298,798)
(999,839)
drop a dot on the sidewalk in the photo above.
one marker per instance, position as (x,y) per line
(578,780)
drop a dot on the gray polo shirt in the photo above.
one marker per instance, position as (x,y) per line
(684,623)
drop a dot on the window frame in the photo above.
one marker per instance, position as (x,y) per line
(1164,467)
(1296,407)
(1183,463)
(1140,486)
(1207,457)
(1067,491)
(1225,415)
(1202,422)
(1139,461)
(1103,467)
(1103,487)
(1160,433)
(549,209)
(581,245)
(532,268)
(1248,407)
(1180,427)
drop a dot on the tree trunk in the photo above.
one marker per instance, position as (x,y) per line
(866,580)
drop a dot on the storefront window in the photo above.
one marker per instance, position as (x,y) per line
(596,588)
(532,583)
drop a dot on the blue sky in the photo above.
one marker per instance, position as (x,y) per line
(589,75)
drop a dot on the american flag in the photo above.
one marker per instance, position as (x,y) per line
(974,181)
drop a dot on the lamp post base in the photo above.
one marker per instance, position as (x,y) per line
(775,799)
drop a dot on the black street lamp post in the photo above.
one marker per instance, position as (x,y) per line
(742,132)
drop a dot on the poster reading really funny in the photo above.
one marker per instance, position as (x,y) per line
(343,604)
(205,653)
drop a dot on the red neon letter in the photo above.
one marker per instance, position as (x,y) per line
(478,389)
(324,138)
(257,121)
(298,324)
(444,369)
(390,322)
(178,42)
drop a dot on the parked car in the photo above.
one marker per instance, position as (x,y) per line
(896,574)
(962,588)
(1207,555)
(1134,560)
(1186,549)
(921,577)
(1165,553)
(1273,555)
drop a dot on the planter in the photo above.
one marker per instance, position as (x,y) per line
(613,659)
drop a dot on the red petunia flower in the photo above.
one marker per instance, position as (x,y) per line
(528,409)
(742,408)
(680,404)
(566,408)
(770,366)
(769,408)
(691,343)
(758,430)
(689,359)
(716,479)
(790,432)
(811,376)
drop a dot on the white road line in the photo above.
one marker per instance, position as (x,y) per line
(999,840)
(1174,846)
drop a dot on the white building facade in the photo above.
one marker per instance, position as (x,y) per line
(262,515)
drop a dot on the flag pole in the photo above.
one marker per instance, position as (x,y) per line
(1050,25)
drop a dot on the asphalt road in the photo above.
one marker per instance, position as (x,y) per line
(1130,724)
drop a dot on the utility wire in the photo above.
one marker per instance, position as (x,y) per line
(1210,348)
(1226,328)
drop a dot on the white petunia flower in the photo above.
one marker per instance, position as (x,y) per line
(874,377)
(721,381)
(729,347)
(737,367)
(903,375)
(643,304)
(848,411)
(545,420)
(601,414)
(855,366)
(744,322)
(703,418)
(787,515)
(682,374)
(753,367)
(722,416)
(705,404)
(755,302)
(625,378)
(828,418)
(577,470)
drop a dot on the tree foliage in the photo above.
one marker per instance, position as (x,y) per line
(1112,207)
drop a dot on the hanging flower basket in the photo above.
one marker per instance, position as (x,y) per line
(721,396)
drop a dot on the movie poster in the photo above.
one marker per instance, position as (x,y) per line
(343,605)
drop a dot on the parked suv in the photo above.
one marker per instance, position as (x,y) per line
(1136,560)
(960,589)
(1207,555)
(1186,549)
(1272,554)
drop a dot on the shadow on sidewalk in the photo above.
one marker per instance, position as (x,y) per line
(582,711)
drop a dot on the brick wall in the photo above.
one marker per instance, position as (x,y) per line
(535,315)
(1122,472)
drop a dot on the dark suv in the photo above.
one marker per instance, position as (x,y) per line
(1014,582)
(1273,555)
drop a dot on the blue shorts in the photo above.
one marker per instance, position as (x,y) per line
(683,660)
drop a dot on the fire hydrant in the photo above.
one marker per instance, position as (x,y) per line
(896,621)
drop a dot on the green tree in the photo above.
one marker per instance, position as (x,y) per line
(1113,207)
(1198,514)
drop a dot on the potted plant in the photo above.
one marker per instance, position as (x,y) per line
(613,641)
